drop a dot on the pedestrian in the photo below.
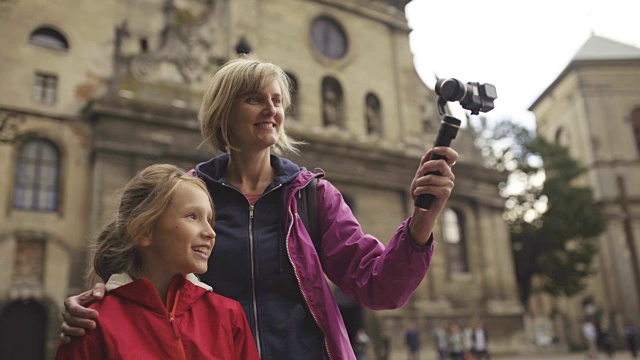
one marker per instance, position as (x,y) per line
(480,341)
(385,348)
(442,340)
(412,341)
(467,341)
(631,338)
(456,349)
(590,335)
(607,340)
(156,307)
(361,344)
(265,258)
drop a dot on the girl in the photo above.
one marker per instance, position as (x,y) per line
(156,308)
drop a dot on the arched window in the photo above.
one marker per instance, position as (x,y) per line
(453,233)
(294,97)
(373,114)
(48,37)
(332,102)
(635,121)
(37,176)
(562,137)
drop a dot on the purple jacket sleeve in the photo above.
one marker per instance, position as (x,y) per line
(372,275)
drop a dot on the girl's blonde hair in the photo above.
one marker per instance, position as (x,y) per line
(236,79)
(144,198)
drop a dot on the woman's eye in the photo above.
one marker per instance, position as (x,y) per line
(253,99)
(277,101)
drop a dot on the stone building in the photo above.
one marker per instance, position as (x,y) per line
(593,108)
(94,91)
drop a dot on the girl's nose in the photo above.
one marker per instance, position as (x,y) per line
(209,232)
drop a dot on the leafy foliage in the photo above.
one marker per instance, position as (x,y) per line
(552,219)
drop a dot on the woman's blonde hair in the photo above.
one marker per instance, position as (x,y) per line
(238,78)
(144,198)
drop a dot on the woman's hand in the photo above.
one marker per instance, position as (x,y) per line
(440,186)
(77,317)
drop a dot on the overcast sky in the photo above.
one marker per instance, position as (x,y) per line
(520,47)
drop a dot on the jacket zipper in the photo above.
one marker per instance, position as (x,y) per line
(295,271)
(252,258)
(174,326)
(253,281)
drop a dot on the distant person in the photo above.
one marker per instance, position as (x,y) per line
(385,348)
(480,342)
(467,341)
(156,308)
(412,341)
(442,340)
(361,344)
(631,338)
(607,341)
(590,335)
(456,350)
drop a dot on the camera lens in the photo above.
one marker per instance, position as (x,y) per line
(451,89)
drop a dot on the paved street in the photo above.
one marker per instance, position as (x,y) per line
(621,355)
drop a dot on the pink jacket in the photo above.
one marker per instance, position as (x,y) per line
(384,278)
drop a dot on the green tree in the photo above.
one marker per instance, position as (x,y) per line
(552,219)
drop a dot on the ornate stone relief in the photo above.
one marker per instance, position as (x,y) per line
(10,122)
(6,6)
(187,40)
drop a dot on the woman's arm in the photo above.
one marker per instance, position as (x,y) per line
(423,221)
(376,276)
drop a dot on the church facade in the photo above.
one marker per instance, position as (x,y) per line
(93,93)
(593,109)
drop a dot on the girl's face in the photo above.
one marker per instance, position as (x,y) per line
(183,237)
(256,120)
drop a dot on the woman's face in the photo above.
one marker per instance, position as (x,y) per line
(256,120)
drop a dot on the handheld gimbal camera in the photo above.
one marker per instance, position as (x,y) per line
(472,96)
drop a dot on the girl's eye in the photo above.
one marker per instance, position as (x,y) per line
(192,216)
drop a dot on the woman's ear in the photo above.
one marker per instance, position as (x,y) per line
(144,240)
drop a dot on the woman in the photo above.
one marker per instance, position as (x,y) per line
(264,257)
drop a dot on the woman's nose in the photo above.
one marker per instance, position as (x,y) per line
(270,108)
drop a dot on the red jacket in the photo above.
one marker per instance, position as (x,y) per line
(134,324)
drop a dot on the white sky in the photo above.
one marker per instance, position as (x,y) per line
(520,47)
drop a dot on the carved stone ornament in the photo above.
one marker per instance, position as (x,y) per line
(10,122)
(6,6)
(187,41)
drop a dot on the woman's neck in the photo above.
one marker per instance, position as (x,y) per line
(251,173)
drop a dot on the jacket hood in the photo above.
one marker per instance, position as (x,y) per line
(214,169)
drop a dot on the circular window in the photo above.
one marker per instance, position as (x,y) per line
(328,37)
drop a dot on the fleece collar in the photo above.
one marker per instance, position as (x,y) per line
(117,280)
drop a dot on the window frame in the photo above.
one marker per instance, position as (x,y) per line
(49,37)
(39,162)
(45,88)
